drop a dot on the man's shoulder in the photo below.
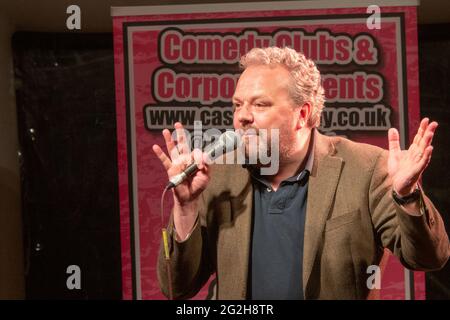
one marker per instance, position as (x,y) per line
(357,153)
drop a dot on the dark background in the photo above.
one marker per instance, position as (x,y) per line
(70,206)
(434,75)
(67,134)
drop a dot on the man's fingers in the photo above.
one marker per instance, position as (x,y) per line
(170,144)
(426,157)
(394,140)
(162,156)
(420,132)
(428,136)
(197,156)
(206,158)
(182,143)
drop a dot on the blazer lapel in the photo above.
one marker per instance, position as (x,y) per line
(322,185)
(237,239)
(243,223)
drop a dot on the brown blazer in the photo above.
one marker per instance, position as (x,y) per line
(350,218)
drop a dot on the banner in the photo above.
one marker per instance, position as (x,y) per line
(180,63)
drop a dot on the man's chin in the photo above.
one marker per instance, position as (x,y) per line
(253,160)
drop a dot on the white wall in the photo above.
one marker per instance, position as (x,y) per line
(11,247)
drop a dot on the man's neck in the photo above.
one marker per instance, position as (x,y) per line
(296,162)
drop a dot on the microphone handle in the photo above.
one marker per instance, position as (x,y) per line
(179,178)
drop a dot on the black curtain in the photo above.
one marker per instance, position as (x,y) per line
(434,66)
(67,134)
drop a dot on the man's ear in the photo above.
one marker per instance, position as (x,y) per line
(303,115)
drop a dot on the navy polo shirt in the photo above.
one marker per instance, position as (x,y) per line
(277,236)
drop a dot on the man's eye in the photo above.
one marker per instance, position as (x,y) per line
(236,106)
(261,105)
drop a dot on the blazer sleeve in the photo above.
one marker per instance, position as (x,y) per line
(420,242)
(189,262)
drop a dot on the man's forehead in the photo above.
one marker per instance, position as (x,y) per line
(251,96)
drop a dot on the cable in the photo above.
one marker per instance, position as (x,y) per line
(165,240)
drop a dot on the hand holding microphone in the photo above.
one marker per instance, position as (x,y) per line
(188,173)
(226,142)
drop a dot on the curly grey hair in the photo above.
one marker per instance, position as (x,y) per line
(306,82)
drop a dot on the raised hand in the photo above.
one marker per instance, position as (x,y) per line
(178,158)
(405,167)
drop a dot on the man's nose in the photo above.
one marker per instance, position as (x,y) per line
(244,115)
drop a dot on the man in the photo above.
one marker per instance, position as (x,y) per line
(311,230)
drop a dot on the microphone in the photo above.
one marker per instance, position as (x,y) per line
(227,141)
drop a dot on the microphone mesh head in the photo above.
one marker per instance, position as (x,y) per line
(227,142)
(230,140)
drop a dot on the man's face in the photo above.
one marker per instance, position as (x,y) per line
(262,101)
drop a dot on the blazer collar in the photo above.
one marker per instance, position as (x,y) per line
(322,186)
